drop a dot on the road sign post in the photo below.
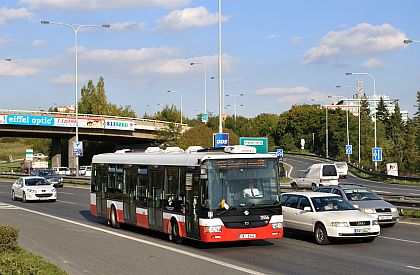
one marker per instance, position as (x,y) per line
(279,153)
(78,148)
(376,154)
(260,143)
(220,140)
(349,149)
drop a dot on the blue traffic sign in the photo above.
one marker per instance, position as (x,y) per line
(279,153)
(221,140)
(349,149)
(376,154)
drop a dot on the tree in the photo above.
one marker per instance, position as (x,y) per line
(417,114)
(382,113)
(94,101)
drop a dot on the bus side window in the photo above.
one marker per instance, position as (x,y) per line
(142,187)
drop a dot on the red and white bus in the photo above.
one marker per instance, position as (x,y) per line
(197,193)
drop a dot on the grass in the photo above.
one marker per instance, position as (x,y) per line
(25,262)
(410,213)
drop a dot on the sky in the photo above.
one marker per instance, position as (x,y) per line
(276,53)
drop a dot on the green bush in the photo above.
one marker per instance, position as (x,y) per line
(8,238)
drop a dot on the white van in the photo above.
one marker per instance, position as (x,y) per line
(63,171)
(318,174)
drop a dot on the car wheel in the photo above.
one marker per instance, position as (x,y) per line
(24,197)
(13,195)
(313,186)
(321,236)
(294,185)
(174,234)
(114,222)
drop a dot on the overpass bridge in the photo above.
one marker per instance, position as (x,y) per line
(58,126)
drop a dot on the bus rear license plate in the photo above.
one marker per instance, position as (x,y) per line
(247,236)
(362,230)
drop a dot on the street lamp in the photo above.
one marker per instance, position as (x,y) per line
(347,119)
(358,109)
(155,107)
(75,29)
(220,65)
(180,94)
(374,101)
(234,103)
(408,41)
(205,83)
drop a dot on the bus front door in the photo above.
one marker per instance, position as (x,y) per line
(101,179)
(156,179)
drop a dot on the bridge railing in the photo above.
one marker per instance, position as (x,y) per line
(141,123)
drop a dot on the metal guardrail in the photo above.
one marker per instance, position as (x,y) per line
(375,175)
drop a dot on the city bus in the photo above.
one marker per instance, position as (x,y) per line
(196,194)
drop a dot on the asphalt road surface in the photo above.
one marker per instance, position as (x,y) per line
(65,234)
(300,164)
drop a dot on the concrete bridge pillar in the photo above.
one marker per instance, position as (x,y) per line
(56,152)
(71,158)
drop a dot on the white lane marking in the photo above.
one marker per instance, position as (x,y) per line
(380,191)
(66,193)
(7,206)
(401,240)
(2,192)
(413,267)
(176,250)
(412,223)
(379,185)
(67,202)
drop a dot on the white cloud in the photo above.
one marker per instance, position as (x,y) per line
(7,15)
(295,40)
(372,62)
(272,36)
(66,79)
(292,94)
(130,55)
(38,43)
(359,40)
(4,42)
(13,68)
(187,18)
(101,5)
(120,26)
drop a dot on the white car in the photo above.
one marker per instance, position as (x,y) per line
(33,189)
(39,156)
(342,169)
(85,171)
(327,216)
(63,171)
(318,174)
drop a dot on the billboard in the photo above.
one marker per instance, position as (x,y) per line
(220,140)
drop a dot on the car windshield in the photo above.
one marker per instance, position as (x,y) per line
(240,183)
(323,204)
(361,195)
(36,181)
(44,173)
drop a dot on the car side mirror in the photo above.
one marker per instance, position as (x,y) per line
(307,209)
(356,206)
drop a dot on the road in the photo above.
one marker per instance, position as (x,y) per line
(65,234)
(300,164)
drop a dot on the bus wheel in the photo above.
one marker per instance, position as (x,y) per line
(174,235)
(114,222)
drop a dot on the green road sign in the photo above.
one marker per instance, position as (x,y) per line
(261,144)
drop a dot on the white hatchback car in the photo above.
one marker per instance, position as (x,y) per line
(33,189)
(327,216)
(342,169)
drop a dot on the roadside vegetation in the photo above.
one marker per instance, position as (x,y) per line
(16,260)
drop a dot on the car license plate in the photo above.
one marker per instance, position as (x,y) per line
(362,230)
(381,218)
(247,236)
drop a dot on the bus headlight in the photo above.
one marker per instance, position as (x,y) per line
(213,229)
(277,225)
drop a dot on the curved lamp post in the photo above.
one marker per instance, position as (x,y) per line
(75,29)
(205,83)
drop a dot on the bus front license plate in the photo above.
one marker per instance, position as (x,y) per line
(247,236)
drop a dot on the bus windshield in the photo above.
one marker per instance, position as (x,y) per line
(233,183)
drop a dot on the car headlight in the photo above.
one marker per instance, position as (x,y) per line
(375,222)
(277,225)
(30,190)
(53,190)
(369,210)
(340,224)
(394,209)
(213,229)
(60,179)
